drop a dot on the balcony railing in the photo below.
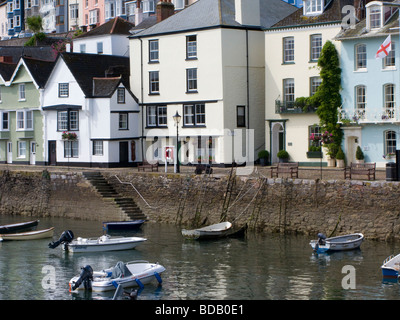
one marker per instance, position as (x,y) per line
(292,107)
(386,115)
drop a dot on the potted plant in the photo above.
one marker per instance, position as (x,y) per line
(340,158)
(263,155)
(359,155)
(283,156)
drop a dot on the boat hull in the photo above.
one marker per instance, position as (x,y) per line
(23,226)
(102,280)
(122,225)
(340,243)
(214,231)
(31,235)
(88,245)
(391,267)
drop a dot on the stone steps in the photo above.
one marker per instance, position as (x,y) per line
(107,191)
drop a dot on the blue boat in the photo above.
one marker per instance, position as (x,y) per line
(391,266)
(122,225)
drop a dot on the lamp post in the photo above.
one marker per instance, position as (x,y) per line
(177,119)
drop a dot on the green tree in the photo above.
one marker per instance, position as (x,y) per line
(35,23)
(328,96)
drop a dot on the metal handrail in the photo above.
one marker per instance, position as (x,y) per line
(136,191)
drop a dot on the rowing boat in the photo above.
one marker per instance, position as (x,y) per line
(21,226)
(30,235)
(218,230)
(340,243)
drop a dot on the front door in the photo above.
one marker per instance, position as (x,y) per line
(9,152)
(32,156)
(52,153)
(123,152)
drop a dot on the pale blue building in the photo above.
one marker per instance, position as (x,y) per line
(297,3)
(370,114)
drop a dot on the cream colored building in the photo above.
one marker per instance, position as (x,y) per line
(292,49)
(205,62)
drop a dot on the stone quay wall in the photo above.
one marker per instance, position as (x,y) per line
(267,205)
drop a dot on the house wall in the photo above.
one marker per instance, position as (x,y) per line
(296,125)
(114,45)
(371,134)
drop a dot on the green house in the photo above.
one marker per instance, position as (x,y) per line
(21,119)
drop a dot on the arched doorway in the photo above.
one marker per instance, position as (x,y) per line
(277,140)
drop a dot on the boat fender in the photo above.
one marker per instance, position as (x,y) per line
(139,283)
(66,237)
(158,277)
(86,277)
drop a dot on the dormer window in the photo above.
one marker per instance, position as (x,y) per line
(378,14)
(313,7)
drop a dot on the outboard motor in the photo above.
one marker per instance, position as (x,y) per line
(86,277)
(321,238)
(66,237)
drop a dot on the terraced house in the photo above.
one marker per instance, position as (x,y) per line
(22,135)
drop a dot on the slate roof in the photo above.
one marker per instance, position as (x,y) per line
(105,87)
(360,30)
(216,13)
(332,14)
(86,67)
(39,69)
(16,52)
(116,26)
(7,70)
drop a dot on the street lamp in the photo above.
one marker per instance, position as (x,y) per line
(177,118)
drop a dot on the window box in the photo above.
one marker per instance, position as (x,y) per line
(314,154)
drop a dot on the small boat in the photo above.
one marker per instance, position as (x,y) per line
(340,243)
(213,231)
(103,243)
(15,227)
(391,266)
(29,235)
(122,225)
(130,274)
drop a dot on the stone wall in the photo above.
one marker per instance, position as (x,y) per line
(42,194)
(270,205)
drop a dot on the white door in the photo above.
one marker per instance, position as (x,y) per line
(9,152)
(32,158)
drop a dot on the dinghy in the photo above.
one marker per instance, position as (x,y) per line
(122,225)
(103,243)
(213,231)
(130,274)
(30,235)
(15,227)
(340,243)
(391,266)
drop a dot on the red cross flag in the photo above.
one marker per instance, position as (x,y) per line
(384,49)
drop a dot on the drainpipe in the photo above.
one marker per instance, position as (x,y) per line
(141,94)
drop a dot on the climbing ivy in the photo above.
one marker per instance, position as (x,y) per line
(328,96)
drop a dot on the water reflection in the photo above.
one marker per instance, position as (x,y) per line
(259,267)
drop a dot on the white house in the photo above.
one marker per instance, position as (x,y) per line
(109,38)
(292,48)
(205,62)
(88,96)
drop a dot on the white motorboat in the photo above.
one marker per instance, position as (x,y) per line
(218,230)
(391,267)
(103,243)
(130,274)
(340,243)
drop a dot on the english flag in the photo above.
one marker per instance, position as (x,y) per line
(384,49)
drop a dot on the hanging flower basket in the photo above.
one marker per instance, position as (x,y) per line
(71,136)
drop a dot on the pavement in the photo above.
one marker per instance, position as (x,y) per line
(324,173)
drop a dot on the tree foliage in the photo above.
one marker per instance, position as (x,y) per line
(328,94)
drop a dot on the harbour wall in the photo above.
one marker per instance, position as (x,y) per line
(266,205)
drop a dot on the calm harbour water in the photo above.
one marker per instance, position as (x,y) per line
(258,267)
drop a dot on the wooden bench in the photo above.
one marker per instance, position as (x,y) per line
(286,167)
(367,169)
(145,165)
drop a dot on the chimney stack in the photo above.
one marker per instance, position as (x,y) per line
(247,12)
(138,12)
(164,9)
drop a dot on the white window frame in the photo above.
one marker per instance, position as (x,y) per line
(313,7)
(148,6)
(98,148)
(389,62)
(21,92)
(288,49)
(5,119)
(288,90)
(360,60)
(21,148)
(24,120)
(315,46)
